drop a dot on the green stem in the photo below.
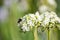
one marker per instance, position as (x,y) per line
(48,34)
(35,34)
(53,34)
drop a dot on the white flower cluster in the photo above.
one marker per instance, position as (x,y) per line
(38,20)
(50,17)
(29,21)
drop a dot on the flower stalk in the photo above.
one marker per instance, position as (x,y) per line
(48,34)
(35,34)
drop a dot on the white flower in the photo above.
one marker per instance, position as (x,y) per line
(38,16)
(50,17)
(32,17)
(30,23)
(25,28)
(53,14)
(45,21)
(32,20)
(47,14)
(57,19)
(27,22)
(52,2)
(37,13)
(52,20)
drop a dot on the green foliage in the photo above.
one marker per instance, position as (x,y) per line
(1,2)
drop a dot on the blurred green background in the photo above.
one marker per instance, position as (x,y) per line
(11,11)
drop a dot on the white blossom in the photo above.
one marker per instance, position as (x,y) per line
(57,19)
(53,14)
(52,2)
(32,17)
(30,23)
(46,18)
(38,16)
(46,22)
(47,14)
(25,28)
(52,20)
